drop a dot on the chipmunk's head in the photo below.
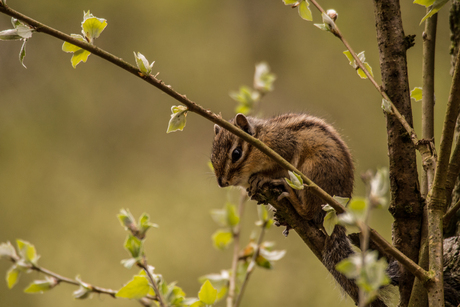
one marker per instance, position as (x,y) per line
(231,156)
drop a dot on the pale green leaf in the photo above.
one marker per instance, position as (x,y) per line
(368,68)
(361,73)
(207,294)
(92,26)
(330,220)
(198,304)
(416,94)
(386,106)
(126,219)
(436,6)
(24,31)
(143,64)
(22,53)
(134,246)
(295,181)
(12,276)
(145,224)
(272,255)
(290,2)
(27,251)
(40,286)
(342,200)
(425,3)
(70,48)
(79,56)
(349,57)
(136,289)
(10,35)
(222,238)
(263,78)
(178,119)
(7,250)
(232,216)
(322,26)
(348,268)
(220,217)
(304,10)
(82,293)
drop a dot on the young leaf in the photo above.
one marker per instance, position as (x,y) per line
(27,252)
(143,64)
(145,224)
(232,216)
(12,276)
(222,238)
(79,54)
(10,35)
(263,78)
(136,288)
(127,219)
(22,53)
(295,182)
(7,251)
(435,7)
(40,286)
(330,220)
(134,246)
(353,63)
(416,94)
(207,294)
(304,10)
(291,2)
(178,119)
(386,106)
(92,26)
(81,293)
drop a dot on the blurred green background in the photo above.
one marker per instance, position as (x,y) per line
(77,145)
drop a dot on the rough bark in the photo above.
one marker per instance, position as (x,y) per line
(405,193)
(329,250)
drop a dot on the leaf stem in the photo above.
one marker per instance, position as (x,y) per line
(159,297)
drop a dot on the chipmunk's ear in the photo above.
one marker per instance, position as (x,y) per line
(242,121)
(216,129)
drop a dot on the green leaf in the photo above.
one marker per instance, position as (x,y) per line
(435,7)
(232,216)
(347,267)
(143,64)
(27,252)
(126,219)
(198,304)
(24,31)
(416,94)
(304,10)
(81,293)
(222,238)
(207,294)
(295,182)
(272,255)
(220,217)
(263,263)
(10,35)
(92,26)
(178,119)
(425,3)
(330,220)
(322,26)
(134,246)
(263,78)
(70,48)
(135,289)
(12,276)
(7,250)
(368,68)
(290,2)
(40,286)
(349,57)
(386,106)
(246,97)
(79,56)
(145,224)
(22,53)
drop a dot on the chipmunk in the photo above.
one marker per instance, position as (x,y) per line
(307,142)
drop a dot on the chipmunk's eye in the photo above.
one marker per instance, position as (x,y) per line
(236,154)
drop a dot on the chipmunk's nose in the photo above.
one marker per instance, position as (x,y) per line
(222,183)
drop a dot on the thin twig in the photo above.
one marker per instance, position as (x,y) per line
(402,120)
(252,264)
(236,249)
(143,264)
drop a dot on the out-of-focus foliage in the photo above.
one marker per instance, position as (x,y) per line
(76,146)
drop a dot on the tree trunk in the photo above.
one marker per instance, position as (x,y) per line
(406,205)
